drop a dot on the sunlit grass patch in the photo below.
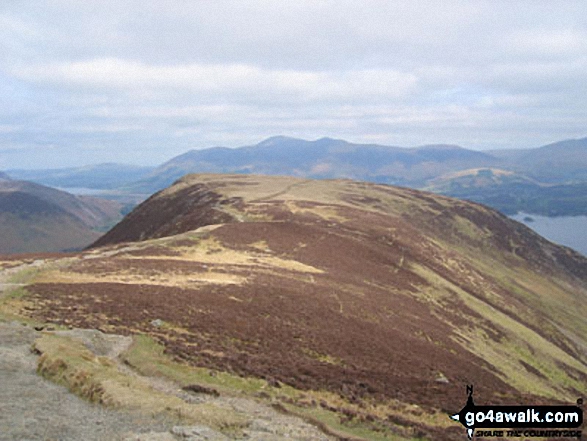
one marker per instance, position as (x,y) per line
(330,412)
(26,275)
(136,278)
(210,251)
(330,213)
(67,361)
(12,304)
(148,357)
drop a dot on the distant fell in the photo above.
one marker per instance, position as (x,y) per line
(323,158)
(36,218)
(557,172)
(564,161)
(512,192)
(100,176)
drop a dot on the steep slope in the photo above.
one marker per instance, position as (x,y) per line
(378,303)
(35,218)
(30,224)
(323,158)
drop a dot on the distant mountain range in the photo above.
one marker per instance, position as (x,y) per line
(321,159)
(36,218)
(548,180)
(560,162)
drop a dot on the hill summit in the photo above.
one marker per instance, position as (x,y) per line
(379,303)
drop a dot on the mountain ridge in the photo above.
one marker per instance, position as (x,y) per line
(204,207)
(559,164)
(372,305)
(322,158)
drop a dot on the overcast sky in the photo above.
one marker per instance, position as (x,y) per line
(141,81)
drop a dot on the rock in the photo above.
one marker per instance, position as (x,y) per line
(442,379)
(151,436)
(157,323)
(198,389)
(198,433)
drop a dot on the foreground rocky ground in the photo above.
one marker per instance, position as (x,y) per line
(34,408)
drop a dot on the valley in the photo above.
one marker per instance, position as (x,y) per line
(37,218)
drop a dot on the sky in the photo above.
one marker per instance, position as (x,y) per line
(84,82)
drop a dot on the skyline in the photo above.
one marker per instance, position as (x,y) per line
(141,82)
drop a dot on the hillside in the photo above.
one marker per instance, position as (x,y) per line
(35,218)
(511,192)
(560,162)
(367,307)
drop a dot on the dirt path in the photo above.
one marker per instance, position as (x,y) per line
(32,408)
(279,193)
(265,422)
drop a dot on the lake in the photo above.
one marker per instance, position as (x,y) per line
(83,191)
(570,231)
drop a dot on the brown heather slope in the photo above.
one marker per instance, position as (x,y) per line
(370,298)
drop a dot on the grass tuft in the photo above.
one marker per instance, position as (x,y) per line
(67,361)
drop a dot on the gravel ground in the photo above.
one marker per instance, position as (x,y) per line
(32,408)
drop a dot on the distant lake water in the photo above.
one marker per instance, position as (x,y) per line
(570,231)
(83,191)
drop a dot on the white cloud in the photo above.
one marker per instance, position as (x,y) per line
(130,74)
(550,43)
(229,82)
(9,128)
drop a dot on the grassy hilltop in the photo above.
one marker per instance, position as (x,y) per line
(365,307)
